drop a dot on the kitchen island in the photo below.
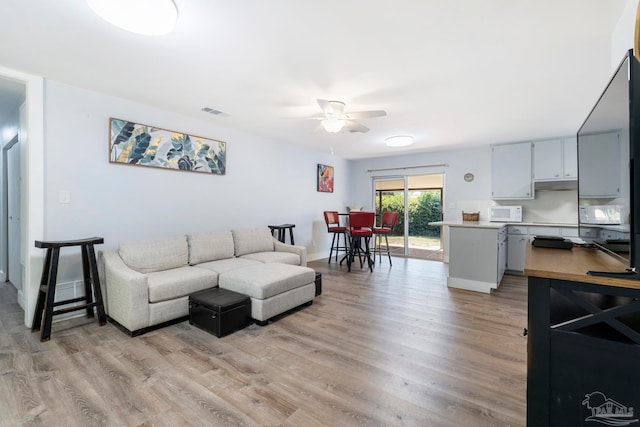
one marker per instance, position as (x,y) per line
(477,254)
(583,340)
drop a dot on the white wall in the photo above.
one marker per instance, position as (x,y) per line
(623,34)
(267,182)
(458,195)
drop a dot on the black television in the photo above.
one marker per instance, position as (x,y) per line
(608,175)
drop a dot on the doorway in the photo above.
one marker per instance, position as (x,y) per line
(11,196)
(418,201)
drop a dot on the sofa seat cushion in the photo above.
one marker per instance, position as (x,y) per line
(223,265)
(268,257)
(148,256)
(250,240)
(266,280)
(204,247)
(179,282)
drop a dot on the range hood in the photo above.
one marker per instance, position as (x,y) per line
(556,185)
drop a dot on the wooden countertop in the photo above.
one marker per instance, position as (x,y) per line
(573,265)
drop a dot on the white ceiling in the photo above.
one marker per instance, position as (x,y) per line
(453,73)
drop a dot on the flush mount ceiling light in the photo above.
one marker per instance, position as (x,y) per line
(399,141)
(147,17)
(332,125)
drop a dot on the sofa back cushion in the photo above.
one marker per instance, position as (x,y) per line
(205,247)
(148,256)
(251,240)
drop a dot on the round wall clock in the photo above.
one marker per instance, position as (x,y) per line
(468,177)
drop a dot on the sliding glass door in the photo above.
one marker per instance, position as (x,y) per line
(418,201)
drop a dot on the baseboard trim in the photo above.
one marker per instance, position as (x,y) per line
(471,285)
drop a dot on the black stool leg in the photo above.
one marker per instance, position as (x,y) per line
(51,293)
(86,272)
(97,291)
(291,235)
(388,251)
(350,253)
(331,250)
(368,252)
(42,292)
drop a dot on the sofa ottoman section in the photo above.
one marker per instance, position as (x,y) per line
(219,311)
(273,288)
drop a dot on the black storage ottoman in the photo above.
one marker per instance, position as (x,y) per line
(219,311)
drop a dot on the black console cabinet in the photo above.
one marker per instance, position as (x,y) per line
(583,348)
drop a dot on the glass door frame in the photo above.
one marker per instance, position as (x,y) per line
(374,192)
(405,179)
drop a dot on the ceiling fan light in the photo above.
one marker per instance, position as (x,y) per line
(332,125)
(147,17)
(399,141)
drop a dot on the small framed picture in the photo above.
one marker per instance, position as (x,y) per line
(325,178)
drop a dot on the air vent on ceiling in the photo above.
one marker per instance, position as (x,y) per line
(214,112)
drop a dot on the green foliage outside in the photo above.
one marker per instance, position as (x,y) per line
(423,209)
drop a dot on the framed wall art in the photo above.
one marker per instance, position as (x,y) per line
(325,178)
(142,145)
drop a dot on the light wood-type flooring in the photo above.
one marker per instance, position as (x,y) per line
(394,347)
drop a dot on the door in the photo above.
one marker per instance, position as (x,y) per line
(390,196)
(14,269)
(418,201)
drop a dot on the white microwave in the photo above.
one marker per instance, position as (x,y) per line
(505,213)
(600,214)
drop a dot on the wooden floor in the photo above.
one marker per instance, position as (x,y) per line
(394,347)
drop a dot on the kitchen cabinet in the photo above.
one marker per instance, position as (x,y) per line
(583,342)
(600,155)
(555,160)
(502,253)
(518,239)
(570,157)
(477,257)
(520,236)
(511,171)
(612,234)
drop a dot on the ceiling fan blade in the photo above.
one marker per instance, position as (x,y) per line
(365,114)
(331,108)
(323,103)
(351,126)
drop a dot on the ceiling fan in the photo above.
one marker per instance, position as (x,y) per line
(333,118)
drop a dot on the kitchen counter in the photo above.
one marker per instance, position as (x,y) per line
(473,224)
(563,264)
(487,224)
(477,255)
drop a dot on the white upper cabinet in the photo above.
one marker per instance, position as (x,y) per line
(599,156)
(511,172)
(570,157)
(555,160)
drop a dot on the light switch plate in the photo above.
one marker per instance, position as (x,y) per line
(65,196)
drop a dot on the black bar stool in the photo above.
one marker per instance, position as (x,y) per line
(281,231)
(47,291)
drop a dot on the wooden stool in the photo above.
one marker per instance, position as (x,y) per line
(281,230)
(48,285)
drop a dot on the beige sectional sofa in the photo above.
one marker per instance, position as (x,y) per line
(146,284)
